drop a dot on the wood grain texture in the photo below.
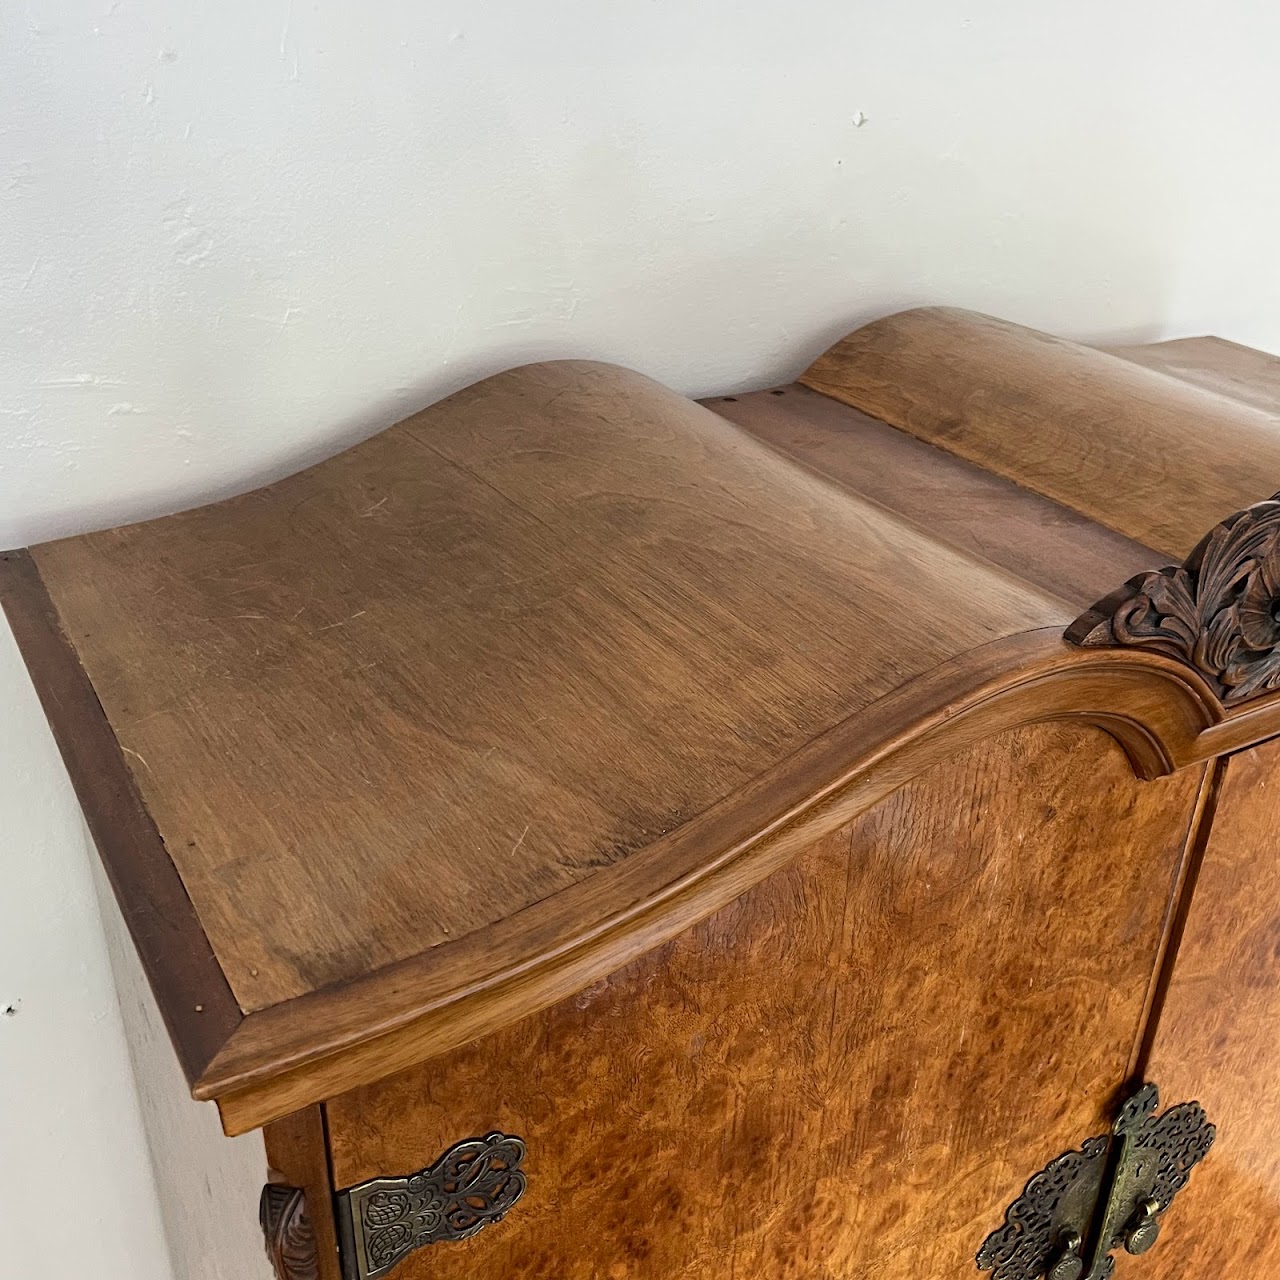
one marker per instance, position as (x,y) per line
(191,992)
(303,1242)
(1157,458)
(379,694)
(957,502)
(347,749)
(281,1059)
(1217,1036)
(1215,365)
(314,1047)
(461,721)
(853,1068)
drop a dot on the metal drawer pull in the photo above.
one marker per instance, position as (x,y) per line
(468,1188)
(1109,1194)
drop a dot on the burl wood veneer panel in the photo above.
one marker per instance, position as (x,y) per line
(366,706)
(1219,1037)
(852,1069)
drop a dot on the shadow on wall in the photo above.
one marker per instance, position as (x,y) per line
(225,399)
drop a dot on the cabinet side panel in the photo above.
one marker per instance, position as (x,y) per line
(853,1069)
(208,1184)
(1219,1037)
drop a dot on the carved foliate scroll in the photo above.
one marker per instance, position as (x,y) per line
(291,1244)
(1219,611)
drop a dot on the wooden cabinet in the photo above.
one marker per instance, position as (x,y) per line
(1218,1034)
(767,1094)
(596,836)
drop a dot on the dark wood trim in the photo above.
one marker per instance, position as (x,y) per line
(1179,909)
(190,989)
(1217,611)
(287,1232)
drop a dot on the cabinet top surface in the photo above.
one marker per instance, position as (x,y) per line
(464,665)
(563,630)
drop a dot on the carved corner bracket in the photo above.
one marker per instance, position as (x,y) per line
(1218,611)
(291,1243)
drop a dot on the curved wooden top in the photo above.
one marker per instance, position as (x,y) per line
(393,751)
(1158,443)
(485,654)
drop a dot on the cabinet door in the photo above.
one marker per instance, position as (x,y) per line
(850,1071)
(1218,1038)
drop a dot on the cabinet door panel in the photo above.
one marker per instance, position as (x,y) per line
(1219,1037)
(851,1070)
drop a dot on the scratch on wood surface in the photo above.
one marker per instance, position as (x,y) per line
(129,751)
(519,842)
(344,621)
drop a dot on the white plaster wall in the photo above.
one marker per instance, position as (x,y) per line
(77,1196)
(208,1185)
(234,236)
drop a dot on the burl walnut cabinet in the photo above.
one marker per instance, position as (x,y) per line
(817,834)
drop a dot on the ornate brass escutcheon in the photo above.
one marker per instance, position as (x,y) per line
(1109,1194)
(468,1188)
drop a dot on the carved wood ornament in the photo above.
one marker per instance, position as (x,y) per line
(1219,611)
(291,1243)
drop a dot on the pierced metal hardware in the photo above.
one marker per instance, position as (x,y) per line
(1069,1264)
(470,1187)
(1109,1194)
(1141,1235)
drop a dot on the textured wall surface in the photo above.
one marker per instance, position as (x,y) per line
(77,1194)
(208,1184)
(235,236)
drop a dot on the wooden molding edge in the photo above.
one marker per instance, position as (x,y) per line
(197,1004)
(1218,612)
(274,1062)
(1177,912)
(296,1208)
(1164,715)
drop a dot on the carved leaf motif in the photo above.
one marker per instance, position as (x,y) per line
(1219,612)
(291,1243)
